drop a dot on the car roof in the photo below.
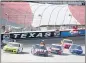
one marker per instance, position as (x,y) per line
(37,44)
(67,39)
(76,44)
(56,44)
(13,43)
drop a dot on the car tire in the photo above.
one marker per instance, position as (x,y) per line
(32,52)
(18,51)
(21,50)
(13,51)
(46,55)
(59,53)
(73,53)
(78,54)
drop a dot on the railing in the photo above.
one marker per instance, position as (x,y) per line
(46,28)
(62,27)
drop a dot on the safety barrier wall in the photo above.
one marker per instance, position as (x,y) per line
(28,35)
(68,34)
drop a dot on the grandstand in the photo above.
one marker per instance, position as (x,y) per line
(70,2)
(33,15)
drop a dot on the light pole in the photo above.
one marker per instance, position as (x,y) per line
(32,22)
(24,21)
(7,19)
(51,14)
(6,24)
(58,15)
(64,17)
(40,20)
(70,18)
(43,13)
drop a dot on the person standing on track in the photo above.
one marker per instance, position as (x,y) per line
(42,43)
(74,30)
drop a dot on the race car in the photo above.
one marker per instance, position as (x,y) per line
(13,47)
(76,49)
(6,40)
(39,50)
(66,43)
(56,48)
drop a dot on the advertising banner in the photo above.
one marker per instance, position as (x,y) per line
(32,35)
(43,34)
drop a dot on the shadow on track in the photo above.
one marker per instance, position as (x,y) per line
(63,54)
(81,55)
(78,55)
(43,55)
(24,53)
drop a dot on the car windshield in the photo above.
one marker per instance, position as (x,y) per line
(79,47)
(67,41)
(76,47)
(59,47)
(40,47)
(13,45)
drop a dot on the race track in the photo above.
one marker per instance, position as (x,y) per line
(26,56)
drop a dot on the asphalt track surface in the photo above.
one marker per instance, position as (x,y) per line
(26,56)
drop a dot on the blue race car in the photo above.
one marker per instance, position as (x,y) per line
(39,50)
(76,49)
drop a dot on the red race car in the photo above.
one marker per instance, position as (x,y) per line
(66,43)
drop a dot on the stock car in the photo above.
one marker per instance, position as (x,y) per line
(56,48)
(66,43)
(76,49)
(5,41)
(13,47)
(39,50)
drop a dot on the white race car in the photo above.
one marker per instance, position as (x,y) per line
(39,50)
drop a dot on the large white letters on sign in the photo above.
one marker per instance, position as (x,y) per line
(32,34)
(47,34)
(16,35)
(23,35)
(39,35)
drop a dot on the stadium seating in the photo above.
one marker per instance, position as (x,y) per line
(36,14)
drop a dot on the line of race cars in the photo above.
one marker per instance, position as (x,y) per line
(41,49)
